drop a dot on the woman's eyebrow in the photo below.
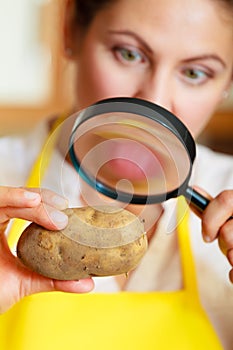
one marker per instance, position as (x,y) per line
(147,47)
(207,57)
(133,35)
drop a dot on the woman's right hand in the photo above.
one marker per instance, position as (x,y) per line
(43,207)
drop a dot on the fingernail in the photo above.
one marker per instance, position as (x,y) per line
(60,202)
(31,195)
(59,219)
(206,238)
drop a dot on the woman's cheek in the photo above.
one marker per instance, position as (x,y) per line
(95,82)
(197,112)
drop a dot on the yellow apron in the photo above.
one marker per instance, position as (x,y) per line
(124,320)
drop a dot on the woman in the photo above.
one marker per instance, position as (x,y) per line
(177,54)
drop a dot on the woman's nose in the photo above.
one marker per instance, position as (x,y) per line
(158,91)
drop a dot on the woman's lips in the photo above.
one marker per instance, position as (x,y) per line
(124,168)
(132,161)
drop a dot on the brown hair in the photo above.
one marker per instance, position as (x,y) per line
(87,9)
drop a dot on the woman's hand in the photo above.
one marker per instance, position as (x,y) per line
(216,223)
(45,208)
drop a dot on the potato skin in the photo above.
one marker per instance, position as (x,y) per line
(53,254)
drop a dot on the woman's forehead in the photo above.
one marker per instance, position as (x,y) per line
(194,24)
(169,12)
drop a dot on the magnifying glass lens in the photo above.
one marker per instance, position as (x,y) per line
(130,154)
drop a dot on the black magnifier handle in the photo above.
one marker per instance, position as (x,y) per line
(198,200)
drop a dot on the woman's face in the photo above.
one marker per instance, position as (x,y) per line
(175,53)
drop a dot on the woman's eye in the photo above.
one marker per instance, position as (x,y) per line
(129,56)
(195,76)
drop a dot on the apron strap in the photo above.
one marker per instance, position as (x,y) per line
(35,177)
(188,265)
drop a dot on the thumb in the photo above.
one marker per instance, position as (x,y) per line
(37,284)
(17,281)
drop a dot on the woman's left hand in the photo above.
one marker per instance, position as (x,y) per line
(217,223)
(16,281)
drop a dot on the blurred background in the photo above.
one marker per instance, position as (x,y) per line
(35,79)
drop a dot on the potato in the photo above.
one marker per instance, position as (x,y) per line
(99,241)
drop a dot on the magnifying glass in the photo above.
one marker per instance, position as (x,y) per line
(134,151)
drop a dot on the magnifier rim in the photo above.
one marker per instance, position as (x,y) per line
(119,104)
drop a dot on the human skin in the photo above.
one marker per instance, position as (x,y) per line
(43,207)
(183,63)
(139,49)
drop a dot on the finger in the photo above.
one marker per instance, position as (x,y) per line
(222,245)
(18,197)
(230,256)
(81,286)
(17,282)
(43,215)
(3,227)
(216,214)
(4,248)
(231,275)
(226,235)
(35,283)
(51,198)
